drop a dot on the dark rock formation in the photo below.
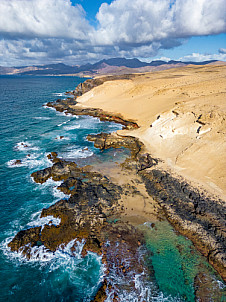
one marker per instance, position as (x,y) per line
(17,162)
(26,239)
(68,105)
(89,213)
(101,295)
(193,214)
(206,288)
(106,140)
(139,160)
(92,198)
(65,106)
(91,83)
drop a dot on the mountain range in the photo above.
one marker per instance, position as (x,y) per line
(108,66)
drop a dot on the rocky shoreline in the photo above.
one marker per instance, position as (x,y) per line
(92,214)
(195,214)
(93,210)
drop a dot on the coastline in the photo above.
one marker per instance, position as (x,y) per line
(140,163)
(205,228)
(179,113)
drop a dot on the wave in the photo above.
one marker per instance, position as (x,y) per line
(144,290)
(47,107)
(72,127)
(25,146)
(42,221)
(61,124)
(31,161)
(53,185)
(68,113)
(41,254)
(63,113)
(59,194)
(44,118)
(59,93)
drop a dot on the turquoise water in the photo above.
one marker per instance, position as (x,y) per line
(176,264)
(29,131)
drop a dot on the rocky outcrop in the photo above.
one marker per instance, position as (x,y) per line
(90,213)
(87,215)
(101,295)
(139,159)
(68,105)
(91,83)
(26,239)
(65,106)
(112,140)
(195,215)
(206,288)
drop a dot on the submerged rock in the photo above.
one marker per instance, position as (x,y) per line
(200,218)
(17,162)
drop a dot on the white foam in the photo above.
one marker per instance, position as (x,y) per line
(72,127)
(59,194)
(49,220)
(59,125)
(25,146)
(12,164)
(59,93)
(144,291)
(77,153)
(40,254)
(32,161)
(64,255)
(63,113)
(52,186)
(60,138)
(44,118)
(47,107)
(68,114)
(88,122)
(65,94)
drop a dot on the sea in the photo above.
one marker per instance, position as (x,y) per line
(29,131)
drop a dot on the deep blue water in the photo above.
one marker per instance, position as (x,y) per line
(29,131)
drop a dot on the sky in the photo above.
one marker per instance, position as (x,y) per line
(35,32)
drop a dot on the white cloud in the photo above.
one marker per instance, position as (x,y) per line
(197,57)
(146,21)
(222,50)
(41,31)
(43,18)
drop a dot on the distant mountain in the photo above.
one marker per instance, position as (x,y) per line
(114,65)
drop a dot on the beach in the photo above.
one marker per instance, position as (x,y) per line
(181,118)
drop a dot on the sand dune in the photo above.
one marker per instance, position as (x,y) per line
(182,117)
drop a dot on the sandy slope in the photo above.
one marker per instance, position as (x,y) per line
(182,117)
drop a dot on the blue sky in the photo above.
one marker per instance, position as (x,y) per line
(80,31)
(91,8)
(207,45)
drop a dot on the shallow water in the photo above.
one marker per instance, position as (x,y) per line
(29,131)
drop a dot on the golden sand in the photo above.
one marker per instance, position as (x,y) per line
(182,117)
